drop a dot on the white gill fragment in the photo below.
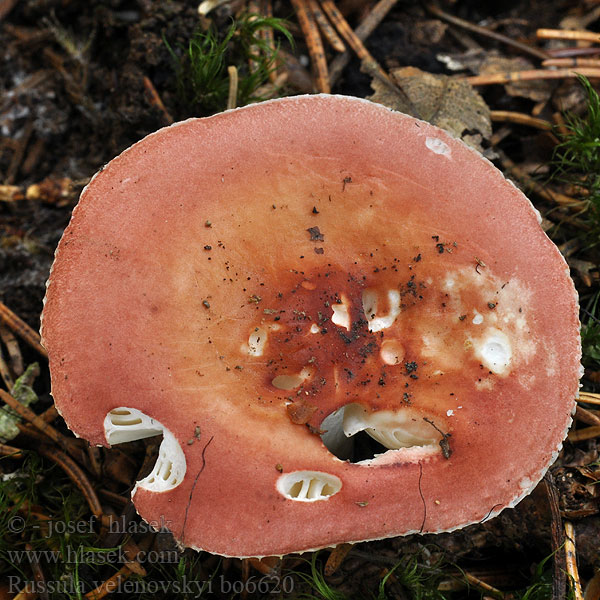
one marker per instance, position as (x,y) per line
(437,146)
(308,486)
(494,351)
(341,314)
(293,381)
(393,429)
(370,304)
(333,436)
(127,424)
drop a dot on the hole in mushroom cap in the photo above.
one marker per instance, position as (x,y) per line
(407,431)
(370,304)
(127,424)
(340,316)
(308,486)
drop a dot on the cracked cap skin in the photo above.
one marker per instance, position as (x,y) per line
(234,281)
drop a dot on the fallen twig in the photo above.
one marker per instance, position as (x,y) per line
(571,556)
(155,100)
(10,451)
(589,397)
(326,28)
(336,558)
(366,27)
(21,329)
(531,75)
(77,476)
(314,45)
(587,433)
(438,12)
(567,34)
(575,62)
(557,534)
(586,416)
(520,118)
(36,420)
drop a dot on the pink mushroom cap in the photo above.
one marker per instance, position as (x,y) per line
(264,285)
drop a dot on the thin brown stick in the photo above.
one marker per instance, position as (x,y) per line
(155,100)
(559,122)
(37,421)
(587,416)
(111,585)
(557,535)
(573,51)
(266,9)
(5,372)
(535,187)
(347,33)
(233,86)
(19,153)
(438,12)
(589,398)
(113,498)
(575,62)
(571,555)
(50,414)
(10,341)
(336,558)
(10,451)
(483,586)
(567,34)
(584,434)
(520,118)
(531,75)
(21,329)
(366,27)
(326,29)
(314,45)
(38,573)
(77,476)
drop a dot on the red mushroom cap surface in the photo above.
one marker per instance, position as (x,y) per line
(266,285)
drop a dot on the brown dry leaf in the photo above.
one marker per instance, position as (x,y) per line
(448,103)
(538,90)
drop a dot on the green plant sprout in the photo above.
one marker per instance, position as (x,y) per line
(201,71)
(590,333)
(576,160)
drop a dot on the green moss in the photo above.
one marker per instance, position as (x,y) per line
(201,67)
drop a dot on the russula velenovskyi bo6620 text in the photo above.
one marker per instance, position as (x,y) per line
(265,286)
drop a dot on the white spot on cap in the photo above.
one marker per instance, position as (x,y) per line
(449,412)
(494,351)
(478,318)
(525,483)
(436,145)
